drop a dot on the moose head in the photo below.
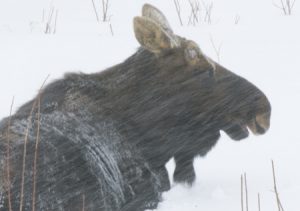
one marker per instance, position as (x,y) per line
(185,98)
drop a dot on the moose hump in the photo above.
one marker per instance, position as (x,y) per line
(102,140)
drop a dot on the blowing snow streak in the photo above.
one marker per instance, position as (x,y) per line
(106,137)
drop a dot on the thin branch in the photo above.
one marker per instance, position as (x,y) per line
(8,181)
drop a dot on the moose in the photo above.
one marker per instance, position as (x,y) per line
(101,141)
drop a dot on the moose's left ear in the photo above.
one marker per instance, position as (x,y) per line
(152,36)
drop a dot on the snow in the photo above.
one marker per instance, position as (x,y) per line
(262,47)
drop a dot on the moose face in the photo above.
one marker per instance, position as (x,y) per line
(207,91)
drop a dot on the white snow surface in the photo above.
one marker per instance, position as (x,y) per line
(263,47)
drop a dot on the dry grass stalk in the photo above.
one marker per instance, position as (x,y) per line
(208,7)
(195,15)
(242,192)
(178,10)
(24,156)
(246,191)
(105,6)
(258,201)
(237,19)
(50,23)
(95,10)
(8,181)
(36,145)
(43,16)
(36,155)
(111,29)
(55,21)
(279,205)
(49,20)
(83,202)
(25,149)
(286,6)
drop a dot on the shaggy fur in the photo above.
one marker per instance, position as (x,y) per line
(106,137)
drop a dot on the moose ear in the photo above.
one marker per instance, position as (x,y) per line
(151,36)
(157,16)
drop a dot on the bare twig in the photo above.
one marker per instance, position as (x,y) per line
(246,191)
(242,193)
(37,144)
(8,181)
(178,10)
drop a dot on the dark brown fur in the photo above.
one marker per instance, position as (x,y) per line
(108,135)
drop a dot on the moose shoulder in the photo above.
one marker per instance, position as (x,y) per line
(107,136)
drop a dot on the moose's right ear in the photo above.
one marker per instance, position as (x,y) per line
(157,16)
(151,36)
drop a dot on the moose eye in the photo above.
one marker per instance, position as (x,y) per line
(191,53)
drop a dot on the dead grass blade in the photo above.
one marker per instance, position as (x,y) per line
(8,181)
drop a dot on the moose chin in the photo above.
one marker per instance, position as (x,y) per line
(102,140)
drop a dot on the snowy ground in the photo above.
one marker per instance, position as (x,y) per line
(262,47)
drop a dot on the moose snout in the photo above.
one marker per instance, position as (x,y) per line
(260,124)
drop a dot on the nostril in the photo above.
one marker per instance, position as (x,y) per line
(260,129)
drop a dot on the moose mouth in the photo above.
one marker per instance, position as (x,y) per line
(258,126)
